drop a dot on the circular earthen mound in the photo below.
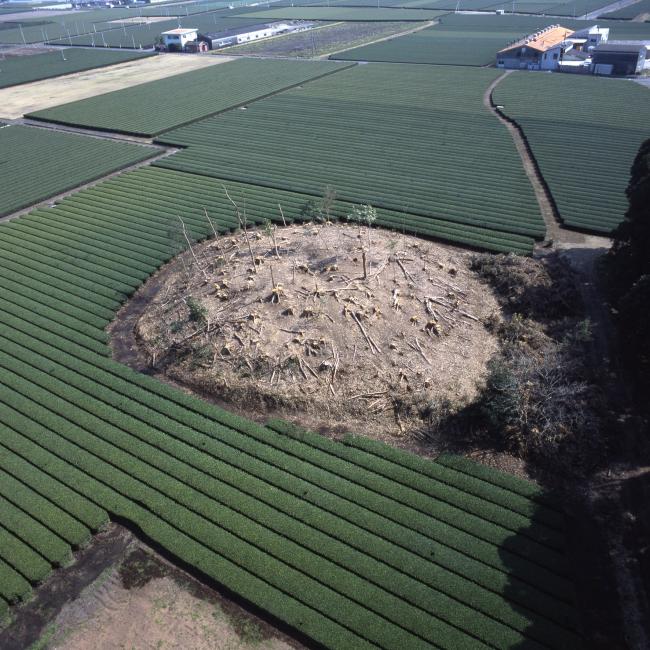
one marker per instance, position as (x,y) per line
(336,327)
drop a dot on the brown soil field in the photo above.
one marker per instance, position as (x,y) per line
(121,593)
(297,326)
(18,100)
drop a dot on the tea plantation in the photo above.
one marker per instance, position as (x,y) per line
(24,69)
(38,163)
(354,544)
(587,123)
(435,152)
(151,108)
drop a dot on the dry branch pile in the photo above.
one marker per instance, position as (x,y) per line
(340,326)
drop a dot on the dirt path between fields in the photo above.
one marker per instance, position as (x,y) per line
(603,498)
(543,197)
(581,250)
(26,98)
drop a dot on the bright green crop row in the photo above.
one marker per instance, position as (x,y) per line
(141,404)
(161,196)
(213,89)
(507,497)
(576,115)
(346,546)
(39,163)
(437,153)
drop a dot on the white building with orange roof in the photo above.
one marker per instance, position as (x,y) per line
(543,50)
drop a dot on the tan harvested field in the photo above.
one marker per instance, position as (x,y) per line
(18,100)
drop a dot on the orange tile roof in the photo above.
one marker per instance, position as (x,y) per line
(544,40)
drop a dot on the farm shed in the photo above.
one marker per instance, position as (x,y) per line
(542,50)
(620,58)
(175,40)
(237,35)
(593,36)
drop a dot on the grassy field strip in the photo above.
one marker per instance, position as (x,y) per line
(214,89)
(342,131)
(589,195)
(29,176)
(24,69)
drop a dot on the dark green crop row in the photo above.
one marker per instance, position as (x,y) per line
(215,88)
(44,510)
(506,497)
(144,35)
(446,42)
(273,519)
(630,11)
(163,191)
(438,153)
(345,13)
(349,547)
(143,400)
(593,110)
(25,69)
(39,163)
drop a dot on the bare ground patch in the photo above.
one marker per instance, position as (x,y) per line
(121,593)
(299,326)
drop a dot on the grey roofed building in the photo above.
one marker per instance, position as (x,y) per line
(619,57)
(235,35)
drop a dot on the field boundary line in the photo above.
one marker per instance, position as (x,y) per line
(547,206)
(91,183)
(341,68)
(146,54)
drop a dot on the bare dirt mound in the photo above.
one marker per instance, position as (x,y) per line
(339,327)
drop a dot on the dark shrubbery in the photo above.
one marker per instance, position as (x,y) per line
(628,269)
(539,400)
